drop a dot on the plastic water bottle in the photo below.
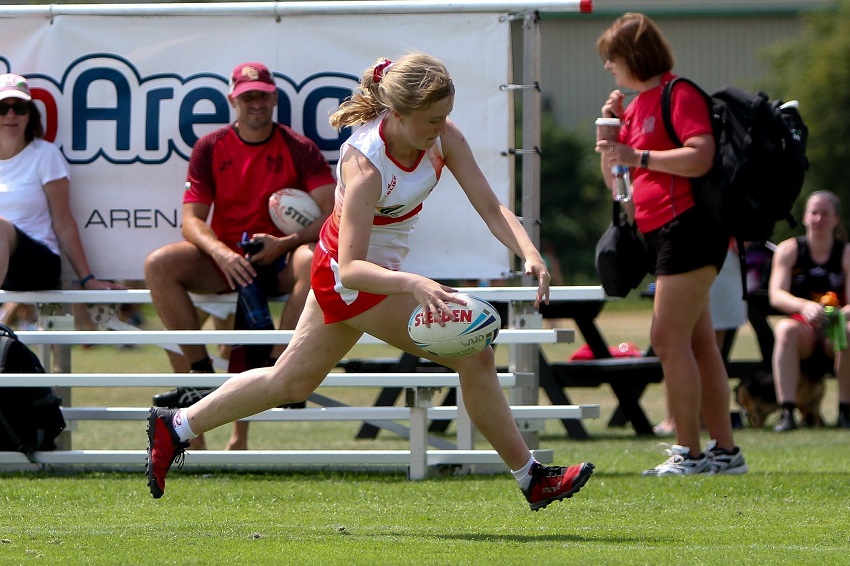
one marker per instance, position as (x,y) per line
(621,183)
(255,307)
(795,104)
(252,300)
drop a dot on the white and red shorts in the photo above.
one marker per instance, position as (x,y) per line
(337,302)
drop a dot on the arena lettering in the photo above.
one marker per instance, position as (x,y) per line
(102,107)
(137,218)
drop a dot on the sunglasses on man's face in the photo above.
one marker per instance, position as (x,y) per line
(20,108)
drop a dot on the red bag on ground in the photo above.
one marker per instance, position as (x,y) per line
(622,350)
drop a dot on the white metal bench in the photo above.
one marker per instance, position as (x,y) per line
(424,453)
(419,387)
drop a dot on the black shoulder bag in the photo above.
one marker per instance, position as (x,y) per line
(622,260)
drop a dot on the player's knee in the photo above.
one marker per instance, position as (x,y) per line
(483,361)
(293,392)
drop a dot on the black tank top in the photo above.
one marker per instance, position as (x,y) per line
(810,280)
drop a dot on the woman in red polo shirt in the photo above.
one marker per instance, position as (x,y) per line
(686,248)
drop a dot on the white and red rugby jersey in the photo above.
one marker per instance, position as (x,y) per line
(398,208)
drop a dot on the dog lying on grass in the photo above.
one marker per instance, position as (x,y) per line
(757,397)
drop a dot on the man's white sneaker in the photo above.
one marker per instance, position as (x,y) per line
(680,463)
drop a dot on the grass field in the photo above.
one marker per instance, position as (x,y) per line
(792,508)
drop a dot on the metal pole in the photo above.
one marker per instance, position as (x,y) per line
(524,357)
(299,8)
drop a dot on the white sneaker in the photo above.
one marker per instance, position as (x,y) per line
(680,463)
(725,462)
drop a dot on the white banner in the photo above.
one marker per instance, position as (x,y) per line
(126,97)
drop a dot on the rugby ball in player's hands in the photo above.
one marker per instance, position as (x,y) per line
(292,209)
(469,329)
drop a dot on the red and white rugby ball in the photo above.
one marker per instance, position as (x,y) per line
(292,209)
(469,329)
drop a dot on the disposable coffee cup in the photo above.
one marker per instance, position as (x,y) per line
(608,129)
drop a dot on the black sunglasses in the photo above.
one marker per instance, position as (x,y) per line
(20,108)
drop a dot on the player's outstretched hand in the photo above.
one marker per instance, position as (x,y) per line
(537,268)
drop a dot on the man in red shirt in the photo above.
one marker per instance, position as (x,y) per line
(232,173)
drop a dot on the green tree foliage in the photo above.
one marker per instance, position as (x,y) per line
(573,204)
(814,68)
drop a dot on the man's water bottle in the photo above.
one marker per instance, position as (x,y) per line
(255,307)
(620,183)
(253,302)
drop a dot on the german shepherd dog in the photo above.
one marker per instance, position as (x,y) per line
(757,395)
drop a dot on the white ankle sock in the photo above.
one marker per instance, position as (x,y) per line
(521,475)
(181,425)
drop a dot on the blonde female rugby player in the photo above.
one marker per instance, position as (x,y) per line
(387,168)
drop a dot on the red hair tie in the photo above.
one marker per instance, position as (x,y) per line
(380,69)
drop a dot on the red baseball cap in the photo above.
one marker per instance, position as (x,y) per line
(249,77)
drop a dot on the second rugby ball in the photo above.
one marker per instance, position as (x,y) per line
(292,209)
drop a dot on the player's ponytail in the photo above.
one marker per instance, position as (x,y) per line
(413,82)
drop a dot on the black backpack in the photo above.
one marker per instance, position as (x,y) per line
(30,417)
(759,165)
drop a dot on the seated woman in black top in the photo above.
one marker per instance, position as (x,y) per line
(804,269)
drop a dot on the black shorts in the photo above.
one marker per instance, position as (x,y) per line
(33,267)
(267,276)
(686,243)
